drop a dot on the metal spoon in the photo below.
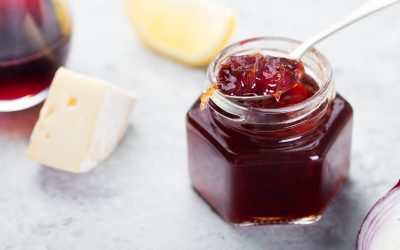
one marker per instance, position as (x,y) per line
(365,10)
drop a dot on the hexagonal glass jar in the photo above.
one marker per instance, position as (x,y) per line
(265,166)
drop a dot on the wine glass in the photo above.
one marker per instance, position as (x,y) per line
(34,43)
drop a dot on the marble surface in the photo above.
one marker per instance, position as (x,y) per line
(141,198)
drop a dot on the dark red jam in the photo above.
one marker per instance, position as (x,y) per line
(272,172)
(33,45)
(304,89)
(257,75)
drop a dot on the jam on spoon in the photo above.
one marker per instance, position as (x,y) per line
(256,75)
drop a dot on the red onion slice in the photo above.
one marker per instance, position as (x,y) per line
(381,228)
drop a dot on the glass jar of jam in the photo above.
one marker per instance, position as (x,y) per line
(259,163)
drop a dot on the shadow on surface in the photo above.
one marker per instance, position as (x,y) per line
(82,189)
(19,123)
(98,185)
(337,228)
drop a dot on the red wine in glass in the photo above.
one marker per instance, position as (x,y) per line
(34,43)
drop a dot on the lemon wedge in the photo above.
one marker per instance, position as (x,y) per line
(190,31)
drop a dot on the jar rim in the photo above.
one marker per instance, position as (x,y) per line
(322,91)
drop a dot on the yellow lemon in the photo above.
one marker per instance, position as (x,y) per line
(190,31)
(63,17)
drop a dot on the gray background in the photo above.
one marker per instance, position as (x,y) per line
(141,198)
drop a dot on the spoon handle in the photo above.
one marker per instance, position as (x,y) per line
(368,8)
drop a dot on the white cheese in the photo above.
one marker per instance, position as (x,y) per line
(81,122)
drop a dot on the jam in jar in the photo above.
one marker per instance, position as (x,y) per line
(270,161)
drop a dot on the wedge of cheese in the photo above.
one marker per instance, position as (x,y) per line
(81,122)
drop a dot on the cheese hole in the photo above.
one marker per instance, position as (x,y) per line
(47,136)
(71,101)
(49,111)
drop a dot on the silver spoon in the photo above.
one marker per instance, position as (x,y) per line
(365,10)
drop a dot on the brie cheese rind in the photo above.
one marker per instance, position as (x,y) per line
(81,123)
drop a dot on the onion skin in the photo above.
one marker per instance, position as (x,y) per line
(376,217)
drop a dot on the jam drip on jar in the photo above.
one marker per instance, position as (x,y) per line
(259,75)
